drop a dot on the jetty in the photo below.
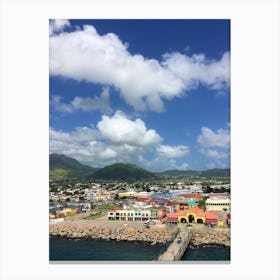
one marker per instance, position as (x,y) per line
(177,248)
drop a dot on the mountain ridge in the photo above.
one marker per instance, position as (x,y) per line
(62,166)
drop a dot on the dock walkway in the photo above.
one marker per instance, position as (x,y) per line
(176,250)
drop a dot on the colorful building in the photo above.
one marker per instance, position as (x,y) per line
(182,204)
(193,215)
(129,215)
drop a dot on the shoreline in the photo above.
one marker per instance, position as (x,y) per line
(211,237)
(201,237)
(151,235)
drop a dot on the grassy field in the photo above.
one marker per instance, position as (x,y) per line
(98,212)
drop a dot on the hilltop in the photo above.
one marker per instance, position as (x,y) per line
(122,171)
(62,166)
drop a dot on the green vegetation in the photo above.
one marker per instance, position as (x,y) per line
(201,203)
(59,173)
(122,171)
(62,167)
(211,173)
(98,212)
(68,169)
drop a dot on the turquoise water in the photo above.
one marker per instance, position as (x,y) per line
(97,250)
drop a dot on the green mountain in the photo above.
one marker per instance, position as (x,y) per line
(225,173)
(217,173)
(122,171)
(62,167)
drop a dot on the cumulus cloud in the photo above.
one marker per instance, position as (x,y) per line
(143,83)
(198,69)
(116,138)
(85,104)
(120,129)
(57,25)
(210,138)
(165,151)
(81,144)
(160,164)
(213,153)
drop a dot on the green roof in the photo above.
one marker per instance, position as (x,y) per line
(191,202)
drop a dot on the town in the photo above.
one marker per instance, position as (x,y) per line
(204,201)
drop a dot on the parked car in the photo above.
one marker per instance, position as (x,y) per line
(179,239)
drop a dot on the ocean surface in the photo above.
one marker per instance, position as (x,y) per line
(211,253)
(97,250)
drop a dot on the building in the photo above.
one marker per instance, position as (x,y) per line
(193,215)
(184,203)
(158,213)
(90,196)
(130,215)
(217,204)
(103,196)
(194,196)
(130,194)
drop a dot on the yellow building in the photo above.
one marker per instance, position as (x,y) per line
(192,215)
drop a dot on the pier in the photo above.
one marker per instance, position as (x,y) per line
(176,250)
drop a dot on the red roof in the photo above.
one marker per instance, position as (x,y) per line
(198,211)
(143,199)
(192,195)
(211,216)
(176,214)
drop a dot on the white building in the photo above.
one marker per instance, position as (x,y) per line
(217,204)
(130,215)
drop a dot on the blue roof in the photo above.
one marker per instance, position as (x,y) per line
(191,202)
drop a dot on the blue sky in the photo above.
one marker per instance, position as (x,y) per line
(152,92)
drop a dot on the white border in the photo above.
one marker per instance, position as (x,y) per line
(254,127)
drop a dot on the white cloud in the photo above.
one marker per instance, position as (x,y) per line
(209,138)
(117,139)
(119,129)
(58,25)
(198,69)
(165,151)
(213,153)
(97,103)
(216,164)
(161,164)
(59,106)
(143,83)
(81,144)
(85,104)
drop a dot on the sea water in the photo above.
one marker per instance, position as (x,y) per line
(99,250)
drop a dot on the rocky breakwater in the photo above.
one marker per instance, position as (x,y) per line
(207,237)
(153,235)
